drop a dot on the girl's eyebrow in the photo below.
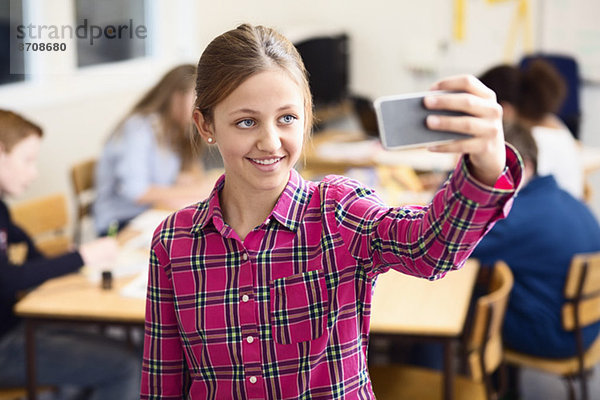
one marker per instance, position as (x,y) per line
(254,112)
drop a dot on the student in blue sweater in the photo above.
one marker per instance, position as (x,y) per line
(545,228)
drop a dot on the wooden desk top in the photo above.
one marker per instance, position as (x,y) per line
(75,297)
(338,150)
(407,305)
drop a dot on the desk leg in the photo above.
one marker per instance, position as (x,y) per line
(30,356)
(448,369)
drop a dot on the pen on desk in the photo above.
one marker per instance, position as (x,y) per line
(113,228)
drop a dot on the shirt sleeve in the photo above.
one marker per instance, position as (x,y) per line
(14,278)
(424,241)
(18,235)
(134,166)
(163,368)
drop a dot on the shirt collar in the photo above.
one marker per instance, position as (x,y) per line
(292,203)
(288,210)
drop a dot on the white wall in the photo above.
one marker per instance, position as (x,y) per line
(396,46)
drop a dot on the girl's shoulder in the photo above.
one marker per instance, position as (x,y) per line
(181,222)
(138,126)
(342,185)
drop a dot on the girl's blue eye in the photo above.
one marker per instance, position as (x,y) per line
(245,123)
(287,119)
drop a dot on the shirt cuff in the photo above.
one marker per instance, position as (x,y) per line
(464,182)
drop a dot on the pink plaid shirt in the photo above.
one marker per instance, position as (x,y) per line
(285,313)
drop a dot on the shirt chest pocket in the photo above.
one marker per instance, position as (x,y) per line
(299,305)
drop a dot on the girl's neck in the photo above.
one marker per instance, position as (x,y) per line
(245,212)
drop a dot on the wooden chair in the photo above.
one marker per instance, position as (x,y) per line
(45,219)
(582,308)
(484,354)
(20,393)
(83,182)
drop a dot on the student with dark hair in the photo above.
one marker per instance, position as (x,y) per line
(63,357)
(545,228)
(531,97)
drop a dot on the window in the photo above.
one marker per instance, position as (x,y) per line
(11,60)
(116,31)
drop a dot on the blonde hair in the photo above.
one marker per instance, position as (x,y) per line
(14,128)
(158,100)
(236,55)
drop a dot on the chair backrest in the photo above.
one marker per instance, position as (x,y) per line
(485,341)
(83,182)
(582,292)
(45,219)
(82,177)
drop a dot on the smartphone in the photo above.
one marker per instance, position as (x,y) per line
(401,121)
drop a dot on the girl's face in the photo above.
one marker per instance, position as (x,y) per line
(259,131)
(18,167)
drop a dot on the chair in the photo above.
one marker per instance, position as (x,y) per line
(45,219)
(582,308)
(484,354)
(20,393)
(83,182)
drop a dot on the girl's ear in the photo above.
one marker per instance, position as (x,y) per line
(205,129)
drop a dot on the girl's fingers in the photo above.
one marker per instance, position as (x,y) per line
(465,102)
(465,83)
(463,124)
(465,146)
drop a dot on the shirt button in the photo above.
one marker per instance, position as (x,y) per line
(245,298)
(252,379)
(249,339)
(245,257)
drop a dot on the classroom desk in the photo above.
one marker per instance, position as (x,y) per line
(404,306)
(74,298)
(333,151)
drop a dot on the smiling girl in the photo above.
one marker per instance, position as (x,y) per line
(264,289)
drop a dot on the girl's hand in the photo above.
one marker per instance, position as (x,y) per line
(485,148)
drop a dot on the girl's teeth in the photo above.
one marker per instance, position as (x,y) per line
(267,162)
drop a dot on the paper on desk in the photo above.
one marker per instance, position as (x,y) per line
(129,262)
(145,224)
(136,288)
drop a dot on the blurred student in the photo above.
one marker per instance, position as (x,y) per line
(531,96)
(147,161)
(63,357)
(545,228)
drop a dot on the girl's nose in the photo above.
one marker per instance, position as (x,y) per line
(269,140)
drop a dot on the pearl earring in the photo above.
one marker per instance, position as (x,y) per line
(210,140)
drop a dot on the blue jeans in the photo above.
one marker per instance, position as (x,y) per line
(67,356)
